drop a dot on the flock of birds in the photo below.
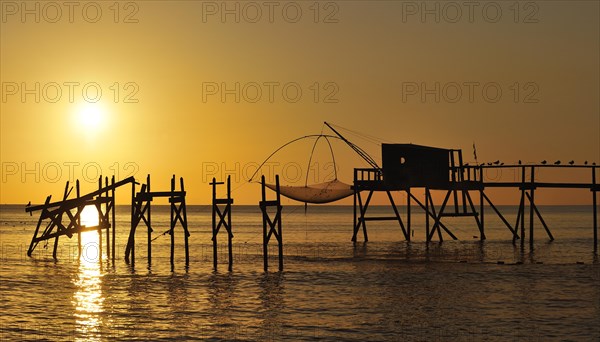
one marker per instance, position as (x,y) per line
(543,162)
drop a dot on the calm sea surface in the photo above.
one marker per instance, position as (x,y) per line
(331,289)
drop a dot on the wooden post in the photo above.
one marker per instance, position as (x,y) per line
(229,231)
(408,230)
(354,187)
(427,214)
(65,195)
(481,217)
(453,166)
(186,234)
(172,223)
(522,208)
(595,209)
(149,223)
(461,178)
(531,206)
(264,219)
(133,218)
(114,221)
(100,219)
(107,208)
(278,218)
(214,222)
(78,222)
(274,224)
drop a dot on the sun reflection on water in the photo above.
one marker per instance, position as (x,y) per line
(89,298)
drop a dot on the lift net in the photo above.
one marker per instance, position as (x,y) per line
(316,193)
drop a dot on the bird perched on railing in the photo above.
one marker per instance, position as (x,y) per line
(571,162)
(496,162)
(519,161)
(544,162)
(557,162)
(585,162)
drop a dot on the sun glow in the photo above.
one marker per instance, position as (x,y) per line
(89,216)
(90,117)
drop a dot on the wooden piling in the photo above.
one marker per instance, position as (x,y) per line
(100,218)
(408,229)
(149,224)
(172,230)
(595,209)
(214,221)
(78,221)
(427,214)
(522,208)
(531,205)
(114,221)
(273,224)
(183,220)
(108,207)
(264,221)
(224,220)
(132,233)
(229,231)
(280,236)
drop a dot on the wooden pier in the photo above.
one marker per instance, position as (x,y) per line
(103,200)
(459,181)
(54,212)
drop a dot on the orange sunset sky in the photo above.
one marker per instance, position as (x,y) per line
(202,89)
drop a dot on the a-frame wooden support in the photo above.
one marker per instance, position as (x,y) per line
(528,193)
(179,214)
(361,218)
(274,225)
(224,220)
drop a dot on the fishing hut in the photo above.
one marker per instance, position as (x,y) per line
(406,167)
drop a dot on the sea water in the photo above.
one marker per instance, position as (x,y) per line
(330,289)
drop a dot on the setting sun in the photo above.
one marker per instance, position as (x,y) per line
(90,117)
(89,216)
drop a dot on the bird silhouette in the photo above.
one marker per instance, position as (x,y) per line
(585,162)
(519,161)
(496,162)
(482,164)
(557,162)
(489,163)
(544,162)
(571,162)
(501,164)
(594,164)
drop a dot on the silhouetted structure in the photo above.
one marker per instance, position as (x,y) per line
(274,225)
(408,166)
(141,211)
(224,219)
(56,211)
(104,201)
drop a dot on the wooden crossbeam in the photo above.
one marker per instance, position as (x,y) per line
(74,202)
